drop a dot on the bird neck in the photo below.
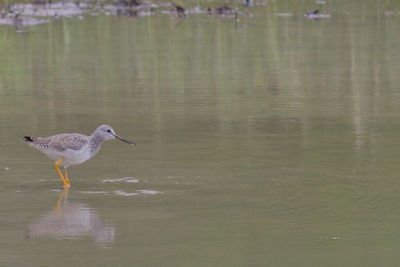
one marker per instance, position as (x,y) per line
(96,139)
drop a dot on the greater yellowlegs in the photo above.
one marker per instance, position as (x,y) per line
(72,148)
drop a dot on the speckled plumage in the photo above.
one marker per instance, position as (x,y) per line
(73,148)
(61,142)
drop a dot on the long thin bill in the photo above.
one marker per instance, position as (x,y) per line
(124,140)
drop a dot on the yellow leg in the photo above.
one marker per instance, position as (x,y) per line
(66,177)
(57,167)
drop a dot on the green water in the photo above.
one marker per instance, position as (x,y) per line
(270,141)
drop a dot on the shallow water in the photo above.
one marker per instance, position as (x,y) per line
(269,141)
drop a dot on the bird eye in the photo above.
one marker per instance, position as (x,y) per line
(108,131)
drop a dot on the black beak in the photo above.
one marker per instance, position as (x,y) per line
(124,140)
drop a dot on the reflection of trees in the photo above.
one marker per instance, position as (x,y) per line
(209,70)
(70,220)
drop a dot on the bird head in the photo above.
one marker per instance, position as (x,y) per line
(108,133)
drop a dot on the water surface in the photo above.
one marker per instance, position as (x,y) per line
(268,141)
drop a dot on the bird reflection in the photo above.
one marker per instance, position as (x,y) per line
(71,220)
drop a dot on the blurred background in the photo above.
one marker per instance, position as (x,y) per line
(267,133)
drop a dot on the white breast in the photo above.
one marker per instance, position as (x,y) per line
(71,157)
(74,157)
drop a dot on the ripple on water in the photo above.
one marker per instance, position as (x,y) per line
(94,192)
(338,201)
(124,179)
(137,192)
(122,192)
(149,192)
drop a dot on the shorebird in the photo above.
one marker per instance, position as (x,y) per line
(72,148)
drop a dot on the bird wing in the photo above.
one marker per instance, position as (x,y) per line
(63,142)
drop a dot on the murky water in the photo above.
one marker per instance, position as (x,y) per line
(270,141)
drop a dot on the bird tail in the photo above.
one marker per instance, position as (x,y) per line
(28,139)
